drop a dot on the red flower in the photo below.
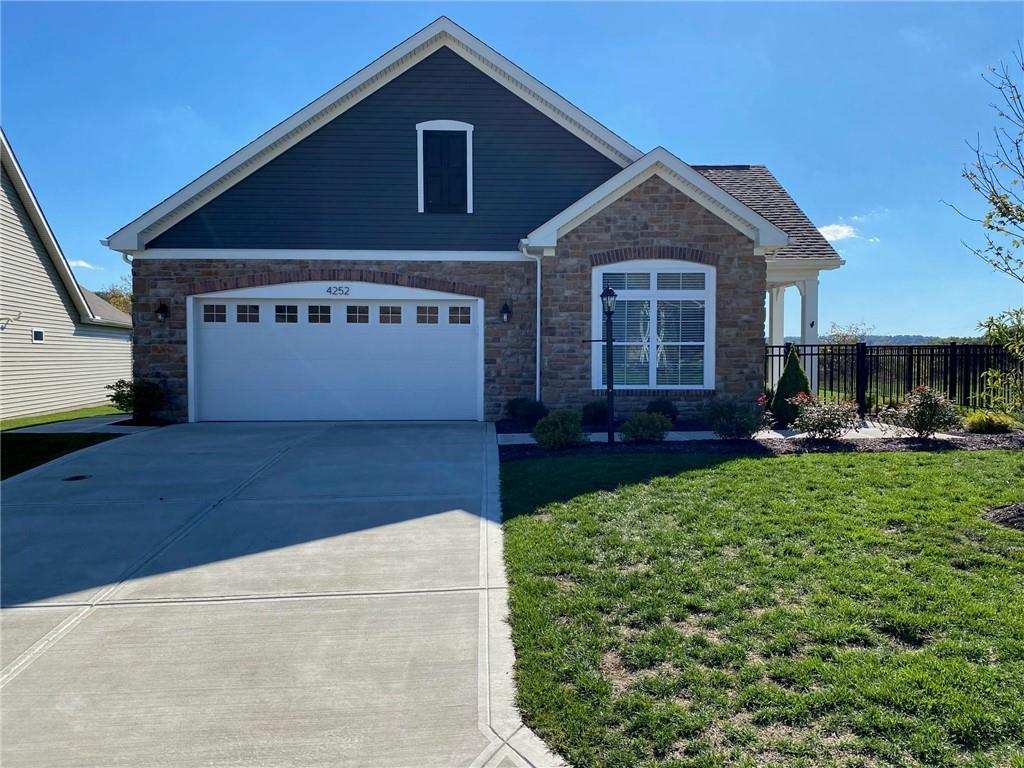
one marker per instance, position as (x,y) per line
(762,399)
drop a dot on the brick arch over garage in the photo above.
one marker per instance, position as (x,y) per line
(335,274)
(643,252)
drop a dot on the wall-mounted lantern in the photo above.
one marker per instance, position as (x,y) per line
(161,313)
(506,312)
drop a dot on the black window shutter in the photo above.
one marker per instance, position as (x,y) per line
(444,171)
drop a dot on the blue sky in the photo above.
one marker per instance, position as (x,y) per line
(860,109)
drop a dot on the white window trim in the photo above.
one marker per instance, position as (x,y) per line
(653,267)
(33,336)
(445,125)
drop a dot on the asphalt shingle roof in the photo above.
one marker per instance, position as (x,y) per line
(105,310)
(758,189)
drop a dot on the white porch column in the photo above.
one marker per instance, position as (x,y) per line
(808,310)
(777,315)
(809,326)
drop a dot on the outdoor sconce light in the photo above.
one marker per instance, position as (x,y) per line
(161,313)
(506,312)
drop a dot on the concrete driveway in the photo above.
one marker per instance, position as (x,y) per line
(261,594)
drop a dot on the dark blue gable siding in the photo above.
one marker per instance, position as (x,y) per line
(352,183)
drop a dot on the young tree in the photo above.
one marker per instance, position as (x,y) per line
(119,294)
(997,173)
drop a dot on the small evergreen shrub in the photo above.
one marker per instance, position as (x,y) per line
(792,383)
(665,407)
(526,411)
(989,423)
(595,412)
(139,398)
(559,429)
(646,428)
(733,420)
(823,421)
(925,413)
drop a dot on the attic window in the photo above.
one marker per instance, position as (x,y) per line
(444,157)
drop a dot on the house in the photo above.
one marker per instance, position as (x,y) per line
(60,344)
(430,239)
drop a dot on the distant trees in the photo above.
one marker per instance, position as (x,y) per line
(119,294)
(851,333)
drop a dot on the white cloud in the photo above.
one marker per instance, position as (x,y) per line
(874,240)
(82,264)
(836,232)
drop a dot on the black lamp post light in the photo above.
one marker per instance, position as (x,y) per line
(608,297)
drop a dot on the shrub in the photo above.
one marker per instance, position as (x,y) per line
(595,412)
(989,423)
(646,428)
(665,407)
(792,382)
(732,419)
(925,413)
(526,411)
(559,429)
(1004,389)
(139,398)
(823,421)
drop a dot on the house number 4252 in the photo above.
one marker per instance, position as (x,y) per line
(338,290)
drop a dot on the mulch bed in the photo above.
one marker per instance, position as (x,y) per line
(1012,515)
(776,447)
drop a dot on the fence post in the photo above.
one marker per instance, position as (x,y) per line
(953,362)
(862,379)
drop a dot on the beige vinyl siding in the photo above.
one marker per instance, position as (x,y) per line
(72,366)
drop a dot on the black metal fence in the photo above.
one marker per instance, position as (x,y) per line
(876,377)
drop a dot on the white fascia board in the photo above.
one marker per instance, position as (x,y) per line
(662,163)
(327,291)
(286,134)
(46,236)
(798,264)
(243,254)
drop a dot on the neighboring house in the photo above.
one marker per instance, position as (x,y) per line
(430,238)
(60,344)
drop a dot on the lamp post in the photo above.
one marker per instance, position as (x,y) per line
(608,297)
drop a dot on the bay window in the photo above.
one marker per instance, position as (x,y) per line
(663,327)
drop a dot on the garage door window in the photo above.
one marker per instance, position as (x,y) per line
(458,315)
(319,313)
(215,313)
(286,313)
(248,313)
(390,315)
(357,314)
(426,315)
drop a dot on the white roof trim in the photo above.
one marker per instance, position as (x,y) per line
(660,162)
(442,32)
(48,239)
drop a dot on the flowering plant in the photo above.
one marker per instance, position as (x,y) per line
(925,413)
(823,421)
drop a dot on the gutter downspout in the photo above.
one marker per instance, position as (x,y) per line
(536,384)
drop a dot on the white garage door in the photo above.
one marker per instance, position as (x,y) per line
(325,351)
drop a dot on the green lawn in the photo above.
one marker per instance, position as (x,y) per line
(49,418)
(810,610)
(21,452)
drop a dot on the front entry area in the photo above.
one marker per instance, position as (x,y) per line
(319,351)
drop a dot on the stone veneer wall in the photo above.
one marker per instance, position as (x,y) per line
(653,221)
(159,350)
